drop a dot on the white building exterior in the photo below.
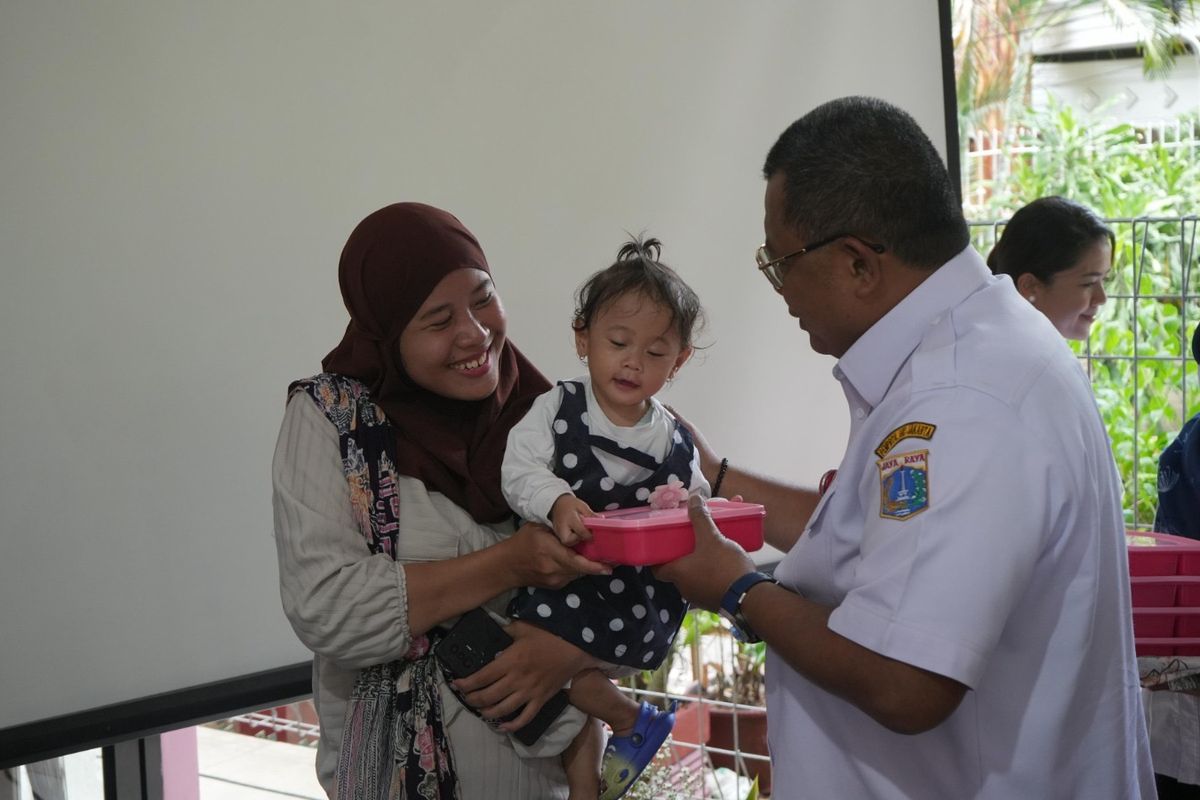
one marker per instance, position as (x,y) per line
(1099,87)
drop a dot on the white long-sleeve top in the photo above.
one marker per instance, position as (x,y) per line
(529,483)
(351,607)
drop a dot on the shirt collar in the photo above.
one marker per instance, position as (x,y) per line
(872,362)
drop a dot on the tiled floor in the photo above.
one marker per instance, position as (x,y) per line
(237,767)
(232,767)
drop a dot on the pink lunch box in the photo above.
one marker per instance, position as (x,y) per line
(641,536)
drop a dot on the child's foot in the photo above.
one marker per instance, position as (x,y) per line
(626,756)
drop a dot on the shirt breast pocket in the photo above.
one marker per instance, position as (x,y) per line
(813,528)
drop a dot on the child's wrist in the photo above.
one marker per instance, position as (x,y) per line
(720,478)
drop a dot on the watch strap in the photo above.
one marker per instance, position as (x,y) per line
(731,604)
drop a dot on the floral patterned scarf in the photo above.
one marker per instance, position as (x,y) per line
(394,743)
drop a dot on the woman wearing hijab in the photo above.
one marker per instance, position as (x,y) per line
(390,523)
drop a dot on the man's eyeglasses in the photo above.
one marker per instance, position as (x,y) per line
(772,267)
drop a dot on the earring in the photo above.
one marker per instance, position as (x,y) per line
(1030,298)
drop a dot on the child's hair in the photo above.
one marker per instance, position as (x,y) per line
(638,269)
(1046,237)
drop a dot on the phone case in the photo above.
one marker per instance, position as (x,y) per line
(474,641)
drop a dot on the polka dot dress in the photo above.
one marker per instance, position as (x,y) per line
(627,617)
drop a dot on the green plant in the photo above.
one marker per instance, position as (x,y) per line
(735,680)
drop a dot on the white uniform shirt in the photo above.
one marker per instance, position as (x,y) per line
(530,487)
(984,543)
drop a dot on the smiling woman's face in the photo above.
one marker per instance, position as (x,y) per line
(452,345)
(1070,300)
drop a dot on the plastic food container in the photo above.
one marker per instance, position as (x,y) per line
(1160,591)
(1155,591)
(1154,623)
(1162,554)
(641,536)
(1189,591)
(1166,646)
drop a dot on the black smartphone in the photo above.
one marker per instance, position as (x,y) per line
(474,641)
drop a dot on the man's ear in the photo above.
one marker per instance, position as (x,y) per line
(865,265)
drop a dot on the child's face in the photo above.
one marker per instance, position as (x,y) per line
(632,349)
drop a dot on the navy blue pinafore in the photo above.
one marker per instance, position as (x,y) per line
(628,617)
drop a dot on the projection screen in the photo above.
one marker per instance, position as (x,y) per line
(177,181)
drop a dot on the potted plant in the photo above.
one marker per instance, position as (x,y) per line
(730,672)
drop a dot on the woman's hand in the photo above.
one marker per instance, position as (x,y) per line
(538,558)
(527,673)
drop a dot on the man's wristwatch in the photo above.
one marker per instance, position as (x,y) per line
(731,604)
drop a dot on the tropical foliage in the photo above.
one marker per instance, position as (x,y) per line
(993,69)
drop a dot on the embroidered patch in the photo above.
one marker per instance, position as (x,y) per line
(904,484)
(909,430)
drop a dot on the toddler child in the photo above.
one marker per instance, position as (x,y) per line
(602,442)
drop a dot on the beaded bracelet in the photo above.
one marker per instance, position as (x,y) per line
(716,487)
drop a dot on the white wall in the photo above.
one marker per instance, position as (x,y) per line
(177,180)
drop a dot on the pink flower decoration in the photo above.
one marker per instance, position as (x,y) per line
(668,495)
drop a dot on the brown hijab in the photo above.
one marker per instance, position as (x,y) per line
(390,265)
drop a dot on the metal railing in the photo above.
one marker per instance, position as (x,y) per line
(988,156)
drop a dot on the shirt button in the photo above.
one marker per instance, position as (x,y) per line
(858,412)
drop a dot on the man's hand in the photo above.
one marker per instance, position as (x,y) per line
(527,673)
(704,575)
(567,515)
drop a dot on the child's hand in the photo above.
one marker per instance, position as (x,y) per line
(566,517)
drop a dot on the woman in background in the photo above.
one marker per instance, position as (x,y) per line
(1058,254)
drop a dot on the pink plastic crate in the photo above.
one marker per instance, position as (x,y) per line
(640,536)
(1179,622)
(1166,647)
(1155,591)
(1154,623)
(1162,554)
(1189,591)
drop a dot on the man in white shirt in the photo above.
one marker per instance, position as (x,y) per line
(952,614)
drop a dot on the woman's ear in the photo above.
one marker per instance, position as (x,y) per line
(1028,285)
